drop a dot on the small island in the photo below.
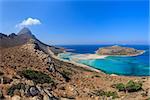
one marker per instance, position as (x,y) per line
(119,51)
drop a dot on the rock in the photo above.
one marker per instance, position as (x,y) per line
(49,95)
(39,88)
(17,92)
(52,68)
(7,80)
(46,97)
(34,91)
(65,99)
(35,98)
(16,97)
(49,60)
(29,82)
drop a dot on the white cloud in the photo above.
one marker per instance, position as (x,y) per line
(28,22)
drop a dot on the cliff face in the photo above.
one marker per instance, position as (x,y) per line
(118,50)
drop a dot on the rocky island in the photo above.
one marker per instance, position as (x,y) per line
(119,50)
(30,70)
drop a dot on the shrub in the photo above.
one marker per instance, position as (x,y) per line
(120,87)
(36,76)
(107,93)
(110,93)
(14,87)
(131,86)
(99,92)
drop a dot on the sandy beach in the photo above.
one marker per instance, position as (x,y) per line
(88,56)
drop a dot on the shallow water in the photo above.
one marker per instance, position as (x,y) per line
(130,66)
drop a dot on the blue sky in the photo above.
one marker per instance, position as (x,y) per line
(80,21)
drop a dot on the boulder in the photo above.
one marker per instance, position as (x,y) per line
(33,91)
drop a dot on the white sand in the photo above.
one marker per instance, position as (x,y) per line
(87,56)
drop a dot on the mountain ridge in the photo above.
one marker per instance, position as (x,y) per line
(22,37)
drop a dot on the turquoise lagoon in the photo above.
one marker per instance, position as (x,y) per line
(130,66)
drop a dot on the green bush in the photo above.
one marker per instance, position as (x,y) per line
(131,86)
(120,87)
(107,93)
(110,93)
(36,76)
(99,92)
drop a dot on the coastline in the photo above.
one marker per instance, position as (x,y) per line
(74,58)
(73,62)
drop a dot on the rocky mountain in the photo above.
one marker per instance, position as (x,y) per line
(30,70)
(23,37)
(118,50)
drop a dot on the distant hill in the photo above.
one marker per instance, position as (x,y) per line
(118,50)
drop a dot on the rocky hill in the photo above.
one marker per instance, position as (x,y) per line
(118,50)
(23,37)
(29,70)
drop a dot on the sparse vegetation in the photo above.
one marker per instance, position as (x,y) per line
(14,87)
(37,76)
(107,93)
(66,74)
(131,86)
(120,87)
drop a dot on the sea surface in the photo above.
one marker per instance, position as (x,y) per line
(129,66)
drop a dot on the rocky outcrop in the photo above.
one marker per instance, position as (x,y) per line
(118,50)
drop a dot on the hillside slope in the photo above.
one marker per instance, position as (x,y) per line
(28,71)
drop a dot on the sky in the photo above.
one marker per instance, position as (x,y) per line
(58,22)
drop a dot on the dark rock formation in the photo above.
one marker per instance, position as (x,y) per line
(118,50)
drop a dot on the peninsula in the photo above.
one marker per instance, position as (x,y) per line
(119,51)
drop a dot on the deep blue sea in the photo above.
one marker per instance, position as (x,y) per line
(130,66)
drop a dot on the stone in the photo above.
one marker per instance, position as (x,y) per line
(16,97)
(52,68)
(51,97)
(45,97)
(34,91)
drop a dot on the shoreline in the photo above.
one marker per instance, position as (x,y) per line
(87,56)
(72,62)
(86,66)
